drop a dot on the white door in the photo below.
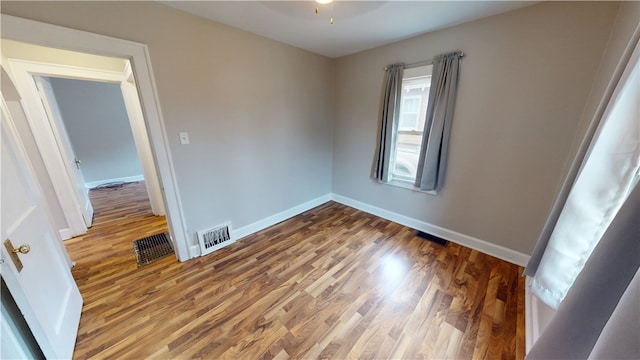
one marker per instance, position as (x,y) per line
(71,161)
(44,289)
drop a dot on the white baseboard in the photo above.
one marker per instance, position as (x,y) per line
(237,234)
(279,217)
(530,320)
(537,316)
(498,251)
(194,251)
(65,234)
(127,179)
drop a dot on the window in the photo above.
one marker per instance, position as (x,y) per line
(413,110)
(405,156)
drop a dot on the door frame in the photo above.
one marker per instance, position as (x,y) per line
(47,137)
(129,91)
(34,32)
(45,133)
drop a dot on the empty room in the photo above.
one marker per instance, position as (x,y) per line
(330,179)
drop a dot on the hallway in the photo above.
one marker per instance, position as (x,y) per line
(121,215)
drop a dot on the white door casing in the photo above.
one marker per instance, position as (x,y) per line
(141,139)
(44,290)
(34,32)
(23,71)
(46,141)
(51,138)
(71,161)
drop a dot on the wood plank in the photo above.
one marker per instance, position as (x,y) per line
(333,282)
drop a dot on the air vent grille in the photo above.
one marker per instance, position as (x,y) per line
(215,238)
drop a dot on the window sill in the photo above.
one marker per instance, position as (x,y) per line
(409,186)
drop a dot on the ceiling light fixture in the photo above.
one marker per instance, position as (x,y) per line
(324,2)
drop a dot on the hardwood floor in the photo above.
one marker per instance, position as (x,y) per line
(333,282)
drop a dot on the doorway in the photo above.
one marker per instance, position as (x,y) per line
(47,124)
(92,121)
(95,119)
(28,31)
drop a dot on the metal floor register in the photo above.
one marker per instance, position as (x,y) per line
(152,248)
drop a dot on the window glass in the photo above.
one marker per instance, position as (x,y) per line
(413,109)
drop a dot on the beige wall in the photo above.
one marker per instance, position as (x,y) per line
(524,81)
(626,22)
(259,113)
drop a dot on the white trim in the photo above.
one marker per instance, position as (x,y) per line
(141,140)
(34,32)
(262,224)
(537,316)
(135,117)
(407,185)
(46,135)
(530,317)
(126,179)
(279,217)
(195,249)
(67,71)
(65,234)
(497,251)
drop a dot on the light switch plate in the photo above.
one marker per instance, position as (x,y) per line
(184,138)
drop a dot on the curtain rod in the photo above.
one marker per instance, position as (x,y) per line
(422,63)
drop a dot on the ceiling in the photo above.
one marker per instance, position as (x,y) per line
(358,25)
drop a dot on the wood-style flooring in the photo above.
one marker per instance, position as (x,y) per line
(333,283)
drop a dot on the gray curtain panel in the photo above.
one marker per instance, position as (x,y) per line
(620,338)
(437,127)
(390,114)
(592,321)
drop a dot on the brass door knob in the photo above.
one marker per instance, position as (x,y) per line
(13,253)
(22,249)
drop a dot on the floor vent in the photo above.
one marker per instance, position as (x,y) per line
(215,238)
(152,248)
(432,238)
